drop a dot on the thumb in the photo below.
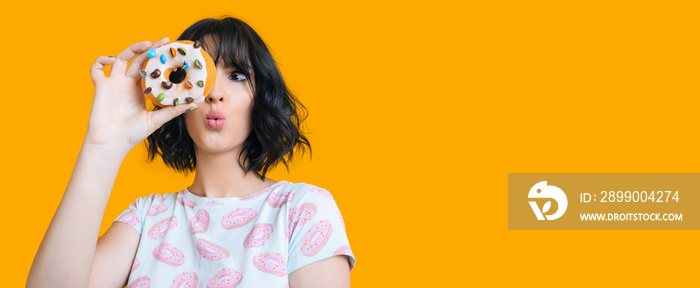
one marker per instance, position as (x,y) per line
(169,112)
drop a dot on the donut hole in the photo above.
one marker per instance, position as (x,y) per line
(177,76)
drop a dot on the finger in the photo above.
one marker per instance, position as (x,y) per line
(161,42)
(133,70)
(120,66)
(166,114)
(97,69)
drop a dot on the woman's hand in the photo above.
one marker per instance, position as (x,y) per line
(119,118)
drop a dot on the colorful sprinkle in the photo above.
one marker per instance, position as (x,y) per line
(182,51)
(143,73)
(172,52)
(167,84)
(188,84)
(177,100)
(161,96)
(162,58)
(151,53)
(196,44)
(200,83)
(197,64)
(186,65)
(189,100)
(148,90)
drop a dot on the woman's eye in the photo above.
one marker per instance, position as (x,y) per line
(238,76)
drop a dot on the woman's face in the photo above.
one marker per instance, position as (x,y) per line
(222,122)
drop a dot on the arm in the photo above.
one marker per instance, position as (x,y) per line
(329,272)
(64,258)
(114,256)
(319,250)
(118,122)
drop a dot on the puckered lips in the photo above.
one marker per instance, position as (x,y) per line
(216,119)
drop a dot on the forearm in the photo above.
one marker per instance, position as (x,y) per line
(65,256)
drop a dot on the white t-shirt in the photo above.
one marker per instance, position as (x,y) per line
(251,241)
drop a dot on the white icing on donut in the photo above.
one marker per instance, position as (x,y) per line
(179,90)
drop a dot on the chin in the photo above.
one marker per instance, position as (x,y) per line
(216,143)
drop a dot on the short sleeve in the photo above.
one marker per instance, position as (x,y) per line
(135,213)
(317,230)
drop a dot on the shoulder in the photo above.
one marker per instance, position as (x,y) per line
(153,200)
(304,192)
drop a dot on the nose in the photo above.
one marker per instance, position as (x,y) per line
(214,98)
(216,95)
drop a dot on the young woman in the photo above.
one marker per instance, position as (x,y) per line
(230,228)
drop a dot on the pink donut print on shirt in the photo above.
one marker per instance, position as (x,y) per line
(227,278)
(141,282)
(344,250)
(316,238)
(200,222)
(277,198)
(214,203)
(323,192)
(256,194)
(130,218)
(258,235)
(238,218)
(161,228)
(299,215)
(253,195)
(157,209)
(273,263)
(135,264)
(184,201)
(211,251)
(185,279)
(169,254)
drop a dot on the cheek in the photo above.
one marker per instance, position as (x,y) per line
(191,125)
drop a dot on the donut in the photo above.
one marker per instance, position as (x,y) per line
(316,237)
(135,264)
(157,209)
(177,72)
(299,215)
(185,279)
(169,254)
(161,228)
(186,202)
(258,235)
(141,282)
(343,250)
(256,194)
(227,278)
(200,222)
(277,199)
(211,251)
(238,218)
(323,192)
(130,218)
(272,263)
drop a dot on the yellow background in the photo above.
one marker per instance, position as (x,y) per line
(418,110)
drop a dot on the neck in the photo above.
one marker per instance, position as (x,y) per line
(218,175)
